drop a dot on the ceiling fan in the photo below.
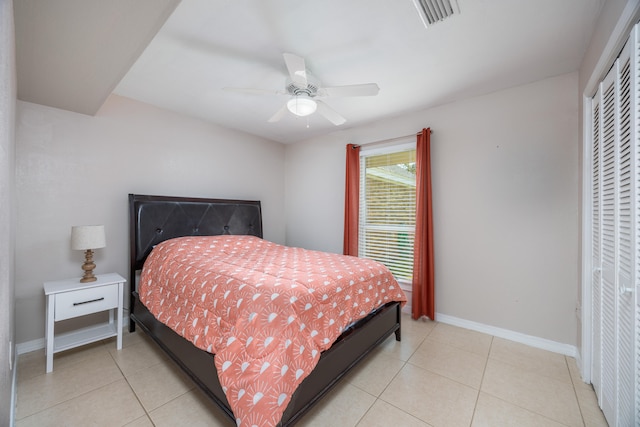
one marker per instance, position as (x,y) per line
(304,91)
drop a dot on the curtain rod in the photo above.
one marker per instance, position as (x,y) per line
(386,141)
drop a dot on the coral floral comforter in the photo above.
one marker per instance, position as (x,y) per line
(265,310)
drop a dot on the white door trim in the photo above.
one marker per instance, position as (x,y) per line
(630,15)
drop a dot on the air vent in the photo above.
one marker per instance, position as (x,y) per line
(433,11)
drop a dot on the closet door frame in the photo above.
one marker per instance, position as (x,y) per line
(629,17)
(610,352)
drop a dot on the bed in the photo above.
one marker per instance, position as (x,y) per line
(157,219)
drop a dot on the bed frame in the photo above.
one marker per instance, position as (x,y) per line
(154,219)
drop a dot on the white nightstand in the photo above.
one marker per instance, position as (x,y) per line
(69,298)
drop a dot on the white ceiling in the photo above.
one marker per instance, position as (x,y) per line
(206,45)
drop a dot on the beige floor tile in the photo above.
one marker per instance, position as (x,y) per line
(413,333)
(137,356)
(108,406)
(41,392)
(402,350)
(591,413)
(532,359)
(128,338)
(432,398)
(418,328)
(465,339)
(343,406)
(143,421)
(593,417)
(31,365)
(543,395)
(375,372)
(429,379)
(34,363)
(383,414)
(451,362)
(576,378)
(192,409)
(494,412)
(159,384)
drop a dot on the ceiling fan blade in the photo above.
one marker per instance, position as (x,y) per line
(329,113)
(366,89)
(250,91)
(297,69)
(279,114)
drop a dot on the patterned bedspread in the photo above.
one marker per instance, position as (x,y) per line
(267,311)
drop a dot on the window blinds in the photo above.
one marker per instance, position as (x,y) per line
(388,209)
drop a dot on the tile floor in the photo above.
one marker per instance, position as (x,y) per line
(439,375)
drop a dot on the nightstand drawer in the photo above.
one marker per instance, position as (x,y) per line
(85,301)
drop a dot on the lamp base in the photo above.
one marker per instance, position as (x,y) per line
(88,267)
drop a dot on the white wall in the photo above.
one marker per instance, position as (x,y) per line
(505,194)
(505,191)
(7,207)
(74,169)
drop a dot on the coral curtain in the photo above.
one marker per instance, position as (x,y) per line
(352,200)
(422,298)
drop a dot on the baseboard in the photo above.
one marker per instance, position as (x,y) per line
(542,343)
(29,346)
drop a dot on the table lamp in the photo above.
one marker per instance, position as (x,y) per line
(87,238)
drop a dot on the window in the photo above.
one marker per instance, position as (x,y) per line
(388,208)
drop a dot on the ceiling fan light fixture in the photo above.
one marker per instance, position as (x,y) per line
(302,105)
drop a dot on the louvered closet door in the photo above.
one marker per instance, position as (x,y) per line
(596,244)
(628,299)
(627,227)
(608,178)
(615,253)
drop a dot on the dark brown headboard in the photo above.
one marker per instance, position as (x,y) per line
(154,219)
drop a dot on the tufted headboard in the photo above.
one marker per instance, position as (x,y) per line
(154,219)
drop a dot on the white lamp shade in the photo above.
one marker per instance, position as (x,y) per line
(302,105)
(85,237)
